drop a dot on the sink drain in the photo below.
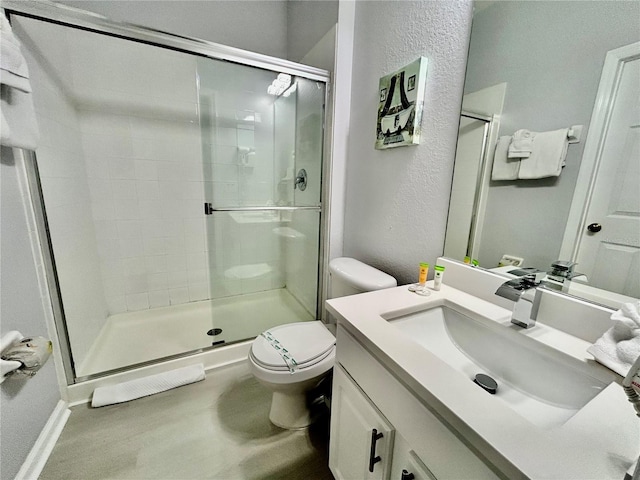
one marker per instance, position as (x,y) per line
(214,331)
(486,382)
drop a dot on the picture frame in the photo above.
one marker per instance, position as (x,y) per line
(401,106)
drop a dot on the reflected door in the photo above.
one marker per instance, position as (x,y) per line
(609,252)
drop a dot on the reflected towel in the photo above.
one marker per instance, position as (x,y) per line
(504,168)
(547,155)
(619,347)
(521,144)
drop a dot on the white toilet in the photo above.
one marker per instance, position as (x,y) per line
(291,359)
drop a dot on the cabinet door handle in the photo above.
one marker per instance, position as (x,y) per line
(407,476)
(373,459)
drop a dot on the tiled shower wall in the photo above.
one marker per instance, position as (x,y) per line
(149,177)
(146,184)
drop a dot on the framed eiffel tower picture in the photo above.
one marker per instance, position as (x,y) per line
(401,105)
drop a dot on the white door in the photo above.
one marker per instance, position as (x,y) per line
(609,244)
(361,438)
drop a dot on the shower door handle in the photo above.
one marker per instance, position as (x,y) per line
(209,209)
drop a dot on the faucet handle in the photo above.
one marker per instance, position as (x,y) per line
(533,279)
(562,268)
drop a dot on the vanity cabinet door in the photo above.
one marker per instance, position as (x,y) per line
(406,464)
(361,438)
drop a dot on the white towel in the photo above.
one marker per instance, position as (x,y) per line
(547,155)
(143,387)
(15,72)
(18,127)
(521,144)
(619,347)
(504,168)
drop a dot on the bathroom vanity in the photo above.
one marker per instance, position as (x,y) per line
(405,406)
(378,424)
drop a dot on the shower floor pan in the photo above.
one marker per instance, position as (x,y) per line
(138,337)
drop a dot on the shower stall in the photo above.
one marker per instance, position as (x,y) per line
(179,184)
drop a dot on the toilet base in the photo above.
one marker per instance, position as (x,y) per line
(289,410)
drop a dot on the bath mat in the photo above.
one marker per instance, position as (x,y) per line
(143,387)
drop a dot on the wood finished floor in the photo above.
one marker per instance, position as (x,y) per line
(215,429)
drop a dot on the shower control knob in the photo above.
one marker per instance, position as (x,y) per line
(594,227)
(301,180)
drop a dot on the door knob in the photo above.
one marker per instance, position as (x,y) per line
(594,227)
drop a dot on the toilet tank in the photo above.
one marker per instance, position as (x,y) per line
(350,276)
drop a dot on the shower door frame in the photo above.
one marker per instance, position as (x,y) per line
(79,19)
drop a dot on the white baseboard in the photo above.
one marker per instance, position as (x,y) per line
(39,454)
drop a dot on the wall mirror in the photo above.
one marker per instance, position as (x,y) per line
(545,66)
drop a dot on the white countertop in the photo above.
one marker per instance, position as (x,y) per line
(600,441)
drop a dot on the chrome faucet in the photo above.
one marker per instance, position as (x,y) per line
(526,292)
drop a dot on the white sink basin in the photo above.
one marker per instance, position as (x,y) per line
(534,380)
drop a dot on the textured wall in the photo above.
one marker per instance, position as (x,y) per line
(25,404)
(566,41)
(397,200)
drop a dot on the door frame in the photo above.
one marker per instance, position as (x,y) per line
(592,156)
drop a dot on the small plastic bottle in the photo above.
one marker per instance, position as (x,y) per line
(421,288)
(437,278)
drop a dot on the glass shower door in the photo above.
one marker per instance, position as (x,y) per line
(136,139)
(262,136)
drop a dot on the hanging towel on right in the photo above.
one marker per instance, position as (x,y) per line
(548,153)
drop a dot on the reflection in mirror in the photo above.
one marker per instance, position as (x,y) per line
(540,67)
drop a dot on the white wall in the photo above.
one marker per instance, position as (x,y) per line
(25,404)
(551,55)
(280,28)
(308,21)
(323,53)
(255,25)
(397,200)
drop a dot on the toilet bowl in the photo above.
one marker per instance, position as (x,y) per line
(290,360)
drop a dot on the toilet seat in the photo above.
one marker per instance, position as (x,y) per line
(307,343)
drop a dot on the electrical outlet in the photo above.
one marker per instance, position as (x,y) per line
(510,260)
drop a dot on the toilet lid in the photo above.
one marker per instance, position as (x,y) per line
(305,342)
